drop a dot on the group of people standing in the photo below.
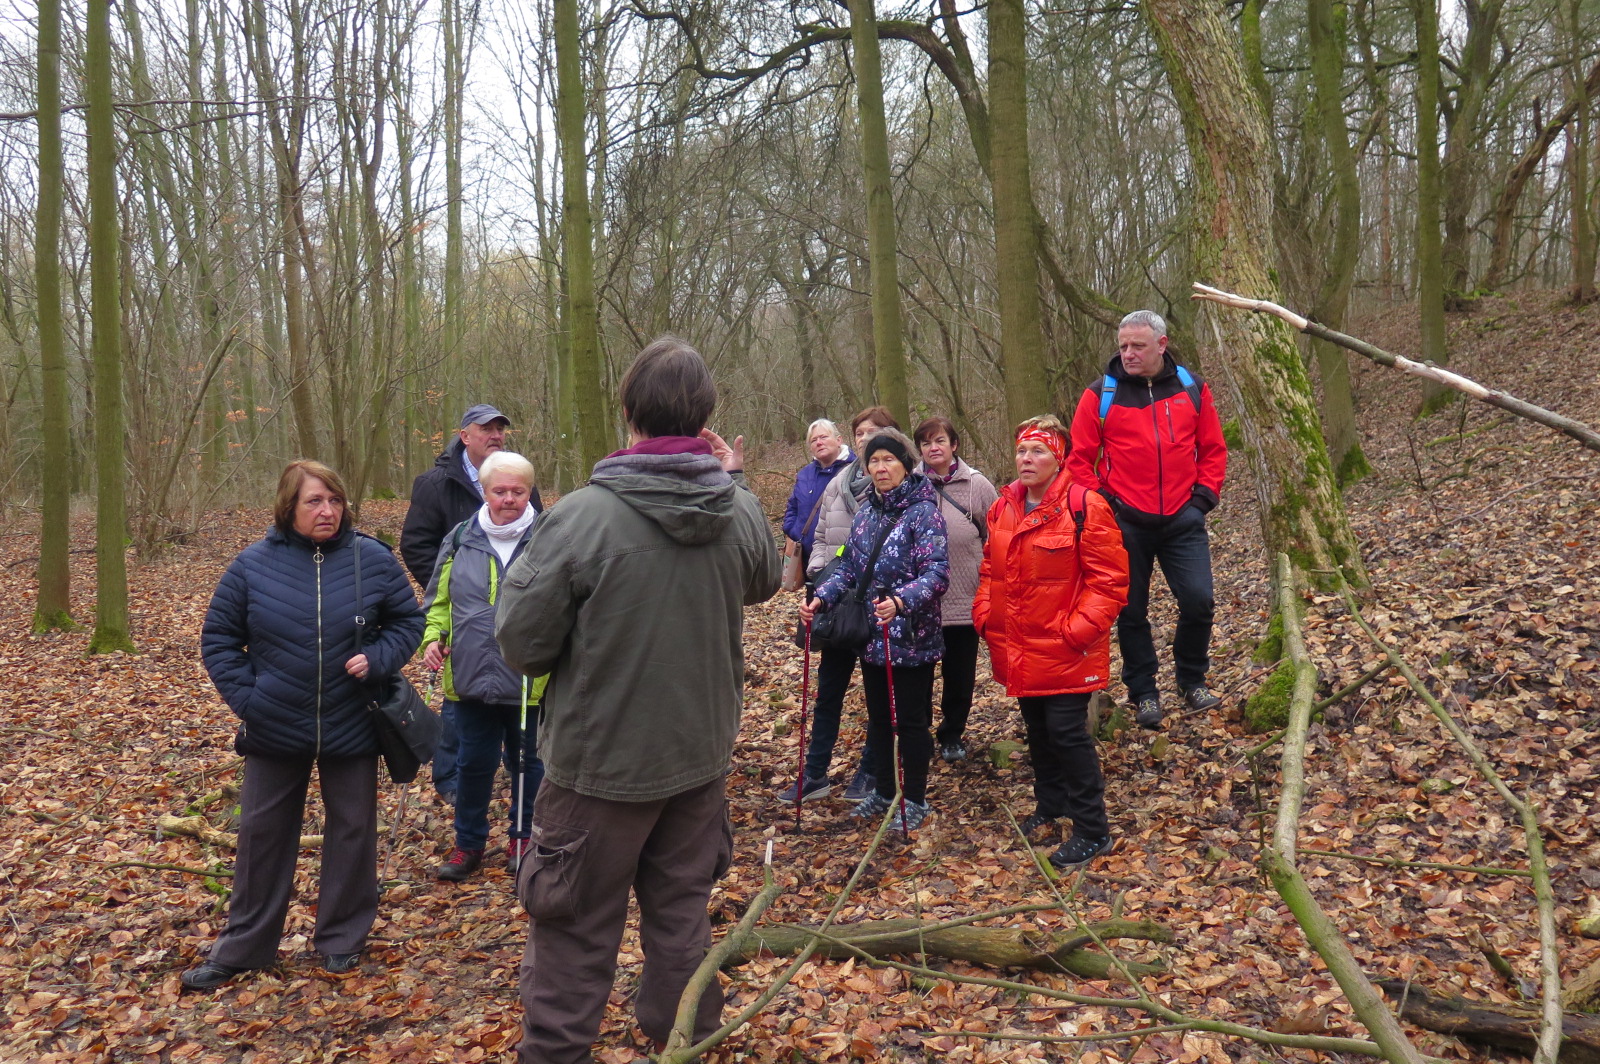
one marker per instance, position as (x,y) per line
(614,623)
(1040,570)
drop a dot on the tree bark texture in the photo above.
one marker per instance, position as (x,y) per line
(111,518)
(888,344)
(1300,508)
(1463,156)
(1016,240)
(54,606)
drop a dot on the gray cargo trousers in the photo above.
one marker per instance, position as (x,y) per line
(587,853)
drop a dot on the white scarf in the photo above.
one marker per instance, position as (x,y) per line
(504,538)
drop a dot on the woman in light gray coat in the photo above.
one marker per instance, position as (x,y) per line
(965,496)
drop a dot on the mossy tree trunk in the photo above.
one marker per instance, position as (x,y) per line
(54,605)
(1579,135)
(1016,241)
(1465,129)
(595,437)
(1326,34)
(888,343)
(111,518)
(1301,511)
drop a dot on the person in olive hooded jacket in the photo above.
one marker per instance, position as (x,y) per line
(631,595)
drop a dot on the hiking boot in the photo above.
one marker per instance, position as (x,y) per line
(459,865)
(1148,712)
(1200,697)
(862,786)
(1034,825)
(953,752)
(871,807)
(340,963)
(909,816)
(516,850)
(813,789)
(208,975)
(1077,852)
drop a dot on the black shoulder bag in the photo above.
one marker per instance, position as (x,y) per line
(407,729)
(980,523)
(850,623)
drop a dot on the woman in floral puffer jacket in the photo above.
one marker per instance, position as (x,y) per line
(911,575)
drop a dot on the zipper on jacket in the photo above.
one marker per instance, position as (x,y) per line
(1155,423)
(316,557)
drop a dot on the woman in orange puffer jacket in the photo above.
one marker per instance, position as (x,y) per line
(1053,578)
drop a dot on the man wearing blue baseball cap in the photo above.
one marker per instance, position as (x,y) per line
(442,498)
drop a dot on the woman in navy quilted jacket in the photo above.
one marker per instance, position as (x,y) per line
(281,644)
(910,576)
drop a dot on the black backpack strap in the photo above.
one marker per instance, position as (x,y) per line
(1080,512)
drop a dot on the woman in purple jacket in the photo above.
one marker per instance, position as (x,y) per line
(829,454)
(910,576)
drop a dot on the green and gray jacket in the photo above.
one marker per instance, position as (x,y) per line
(460,607)
(630,594)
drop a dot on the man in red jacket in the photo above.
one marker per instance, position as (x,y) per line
(1148,437)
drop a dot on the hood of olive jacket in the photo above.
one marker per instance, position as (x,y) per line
(688,495)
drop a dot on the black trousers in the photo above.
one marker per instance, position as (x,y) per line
(959,671)
(1066,766)
(272,808)
(1184,551)
(913,709)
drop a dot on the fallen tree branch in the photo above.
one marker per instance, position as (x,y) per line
(1549,1042)
(213,872)
(1577,430)
(1351,688)
(197,827)
(1396,862)
(1278,860)
(1503,1026)
(990,947)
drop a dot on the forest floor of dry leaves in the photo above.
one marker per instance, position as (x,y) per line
(1483,554)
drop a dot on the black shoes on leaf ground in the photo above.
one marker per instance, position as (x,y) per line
(1077,852)
(208,975)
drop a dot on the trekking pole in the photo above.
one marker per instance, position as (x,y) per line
(805,696)
(894,729)
(517,812)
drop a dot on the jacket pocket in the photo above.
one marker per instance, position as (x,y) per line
(1055,559)
(550,886)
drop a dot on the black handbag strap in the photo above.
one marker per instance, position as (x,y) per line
(361,620)
(981,526)
(872,561)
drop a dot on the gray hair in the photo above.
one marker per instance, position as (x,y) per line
(1148,318)
(506,462)
(824,423)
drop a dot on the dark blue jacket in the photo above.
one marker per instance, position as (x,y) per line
(914,564)
(281,627)
(801,515)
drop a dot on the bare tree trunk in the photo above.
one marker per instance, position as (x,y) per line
(1463,157)
(1300,508)
(1430,263)
(54,606)
(1578,137)
(1326,34)
(1015,236)
(583,321)
(888,344)
(111,518)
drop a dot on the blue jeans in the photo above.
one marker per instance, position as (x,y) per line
(485,729)
(832,676)
(1184,551)
(444,756)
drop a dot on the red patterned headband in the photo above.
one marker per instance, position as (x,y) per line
(1051,440)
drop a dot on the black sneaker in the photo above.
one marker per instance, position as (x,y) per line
(872,806)
(1148,712)
(459,865)
(208,975)
(953,752)
(814,789)
(1032,826)
(1200,697)
(340,963)
(1077,852)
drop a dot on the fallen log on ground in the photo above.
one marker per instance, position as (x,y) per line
(991,947)
(1486,1023)
(197,827)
